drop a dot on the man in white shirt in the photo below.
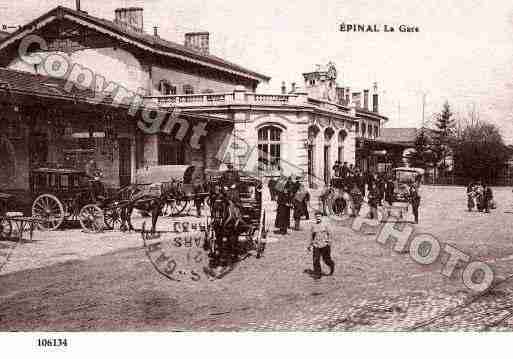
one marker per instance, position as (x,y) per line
(320,242)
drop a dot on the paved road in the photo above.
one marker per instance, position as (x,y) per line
(374,288)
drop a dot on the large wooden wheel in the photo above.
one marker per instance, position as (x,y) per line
(112,217)
(210,239)
(91,218)
(49,210)
(261,234)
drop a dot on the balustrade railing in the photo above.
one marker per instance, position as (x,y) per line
(211,99)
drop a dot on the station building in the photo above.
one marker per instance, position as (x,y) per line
(301,131)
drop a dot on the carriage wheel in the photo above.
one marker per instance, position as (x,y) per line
(262,233)
(176,206)
(210,242)
(48,208)
(91,218)
(112,218)
(5,228)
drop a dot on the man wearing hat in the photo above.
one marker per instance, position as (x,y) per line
(336,169)
(230,182)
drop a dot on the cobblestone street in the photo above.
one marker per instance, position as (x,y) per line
(69,280)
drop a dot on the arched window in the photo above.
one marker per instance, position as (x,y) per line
(269,148)
(364,129)
(376,131)
(357,128)
(166,88)
(341,138)
(313,132)
(328,135)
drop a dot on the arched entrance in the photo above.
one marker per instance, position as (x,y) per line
(313,132)
(342,134)
(328,135)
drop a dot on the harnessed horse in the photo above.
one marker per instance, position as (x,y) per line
(227,223)
(151,203)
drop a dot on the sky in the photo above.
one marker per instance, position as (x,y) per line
(463,52)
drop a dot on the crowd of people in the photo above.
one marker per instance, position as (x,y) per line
(479,196)
(290,195)
(350,186)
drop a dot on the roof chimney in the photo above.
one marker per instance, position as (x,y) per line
(366,99)
(77,3)
(283,88)
(156,31)
(130,17)
(375,98)
(198,41)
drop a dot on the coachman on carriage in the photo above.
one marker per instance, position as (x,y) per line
(237,223)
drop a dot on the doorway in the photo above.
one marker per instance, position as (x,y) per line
(125,162)
(327,164)
(38,150)
(310,165)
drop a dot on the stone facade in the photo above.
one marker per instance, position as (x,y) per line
(309,134)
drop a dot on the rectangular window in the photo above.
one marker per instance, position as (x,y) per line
(171,152)
(275,134)
(275,157)
(263,157)
(188,89)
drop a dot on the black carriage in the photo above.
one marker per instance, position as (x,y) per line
(61,194)
(240,218)
(403,179)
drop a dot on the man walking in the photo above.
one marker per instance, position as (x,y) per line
(415,201)
(320,245)
(283,210)
(487,198)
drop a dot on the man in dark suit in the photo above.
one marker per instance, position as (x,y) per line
(93,174)
(230,182)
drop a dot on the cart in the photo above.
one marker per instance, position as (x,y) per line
(403,178)
(61,194)
(250,229)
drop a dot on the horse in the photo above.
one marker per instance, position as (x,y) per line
(227,225)
(136,198)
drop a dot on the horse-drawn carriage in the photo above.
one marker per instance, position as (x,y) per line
(403,178)
(61,194)
(66,194)
(237,223)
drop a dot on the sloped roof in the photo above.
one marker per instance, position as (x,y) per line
(20,82)
(403,135)
(3,34)
(398,135)
(148,42)
(15,82)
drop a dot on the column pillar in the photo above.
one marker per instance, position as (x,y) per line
(151,150)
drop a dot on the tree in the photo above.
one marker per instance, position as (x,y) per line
(444,136)
(422,156)
(479,152)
